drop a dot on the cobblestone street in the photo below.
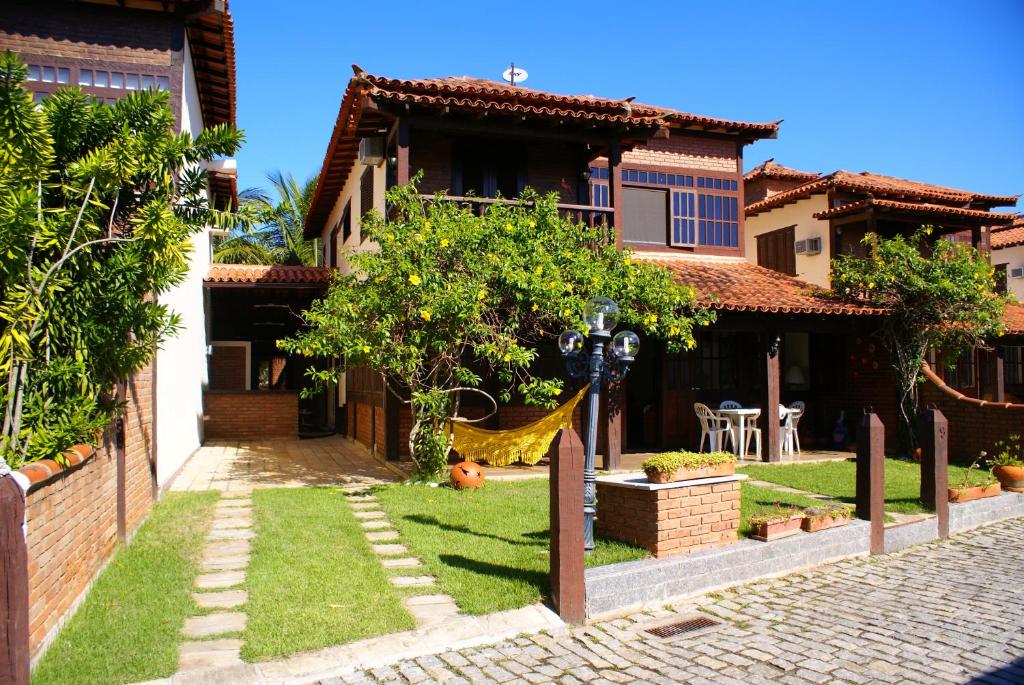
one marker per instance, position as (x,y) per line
(948,612)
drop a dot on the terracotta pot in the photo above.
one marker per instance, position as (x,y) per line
(780,528)
(812,524)
(958,495)
(716,471)
(1010,477)
(467,475)
(841,521)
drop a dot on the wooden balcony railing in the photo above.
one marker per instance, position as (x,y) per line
(592,216)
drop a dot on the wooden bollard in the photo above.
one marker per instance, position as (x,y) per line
(934,440)
(568,589)
(871,477)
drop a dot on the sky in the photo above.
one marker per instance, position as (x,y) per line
(932,91)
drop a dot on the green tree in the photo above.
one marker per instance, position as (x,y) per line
(274,232)
(938,294)
(97,206)
(447,298)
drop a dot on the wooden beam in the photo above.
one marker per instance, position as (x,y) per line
(566,511)
(771,396)
(402,153)
(871,478)
(615,189)
(934,440)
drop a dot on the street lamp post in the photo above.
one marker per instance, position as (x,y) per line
(600,365)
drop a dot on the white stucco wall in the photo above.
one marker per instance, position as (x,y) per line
(1012,257)
(811,268)
(181,363)
(351,192)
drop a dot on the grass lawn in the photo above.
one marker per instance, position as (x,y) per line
(488,548)
(129,627)
(313,580)
(837,479)
(754,500)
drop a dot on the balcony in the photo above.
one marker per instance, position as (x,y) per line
(590,215)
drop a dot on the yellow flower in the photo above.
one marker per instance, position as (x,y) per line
(654,318)
(390,237)
(690,344)
(425,314)
(629,261)
(481,295)
(508,226)
(414,279)
(674,330)
(557,391)
(539,269)
(444,242)
(566,312)
(508,357)
(535,307)
(871,285)
(531,223)
(426,225)
(366,349)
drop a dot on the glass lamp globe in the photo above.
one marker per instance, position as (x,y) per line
(601,315)
(625,345)
(570,342)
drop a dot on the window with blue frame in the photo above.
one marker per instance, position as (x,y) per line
(707,215)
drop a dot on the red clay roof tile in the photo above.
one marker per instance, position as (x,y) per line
(733,283)
(269,274)
(924,209)
(769,169)
(1010,236)
(1014,318)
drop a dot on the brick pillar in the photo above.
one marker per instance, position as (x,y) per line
(567,563)
(934,441)
(871,477)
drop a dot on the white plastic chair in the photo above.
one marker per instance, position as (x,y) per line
(734,426)
(751,430)
(730,404)
(796,410)
(711,428)
(786,420)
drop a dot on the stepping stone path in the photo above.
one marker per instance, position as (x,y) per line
(225,560)
(428,609)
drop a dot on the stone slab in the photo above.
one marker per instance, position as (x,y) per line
(984,511)
(411,581)
(205,654)
(364,515)
(361,498)
(211,581)
(214,624)
(910,534)
(228,599)
(375,525)
(233,534)
(235,562)
(401,562)
(226,548)
(389,550)
(430,609)
(382,535)
(365,506)
(229,522)
(235,674)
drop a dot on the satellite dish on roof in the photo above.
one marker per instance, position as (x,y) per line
(514,74)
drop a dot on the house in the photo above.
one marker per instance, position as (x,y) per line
(109,49)
(798,221)
(669,185)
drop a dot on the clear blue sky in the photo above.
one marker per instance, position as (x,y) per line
(932,91)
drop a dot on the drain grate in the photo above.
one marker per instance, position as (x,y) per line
(678,628)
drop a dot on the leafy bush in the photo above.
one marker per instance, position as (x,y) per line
(670,462)
(1010,453)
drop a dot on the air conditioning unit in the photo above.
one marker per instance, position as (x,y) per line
(371,151)
(808,246)
(1017,272)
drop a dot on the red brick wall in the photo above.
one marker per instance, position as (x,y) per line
(246,415)
(228,369)
(72,517)
(972,428)
(670,521)
(364,424)
(760,188)
(691,152)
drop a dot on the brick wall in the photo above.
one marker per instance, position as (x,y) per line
(972,427)
(692,152)
(72,518)
(760,188)
(670,521)
(246,415)
(228,369)
(364,424)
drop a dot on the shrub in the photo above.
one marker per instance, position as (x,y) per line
(669,462)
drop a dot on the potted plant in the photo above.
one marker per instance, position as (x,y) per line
(840,513)
(970,489)
(815,519)
(676,466)
(1008,464)
(777,523)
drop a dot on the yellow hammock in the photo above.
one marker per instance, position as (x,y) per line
(527,444)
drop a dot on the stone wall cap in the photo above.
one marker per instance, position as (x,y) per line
(638,481)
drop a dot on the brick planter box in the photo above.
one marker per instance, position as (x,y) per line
(671,518)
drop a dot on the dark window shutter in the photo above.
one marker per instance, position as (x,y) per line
(775,250)
(365,197)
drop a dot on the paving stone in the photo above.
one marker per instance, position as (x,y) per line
(411,581)
(382,535)
(389,550)
(939,613)
(375,525)
(365,515)
(235,562)
(365,506)
(214,624)
(196,655)
(226,548)
(228,522)
(228,599)
(402,562)
(211,581)
(233,534)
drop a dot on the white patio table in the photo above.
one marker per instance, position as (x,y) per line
(739,417)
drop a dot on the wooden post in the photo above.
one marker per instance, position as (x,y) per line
(934,440)
(568,590)
(615,189)
(871,477)
(770,399)
(14,638)
(402,154)
(612,405)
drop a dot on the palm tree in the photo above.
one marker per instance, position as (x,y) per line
(274,234)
